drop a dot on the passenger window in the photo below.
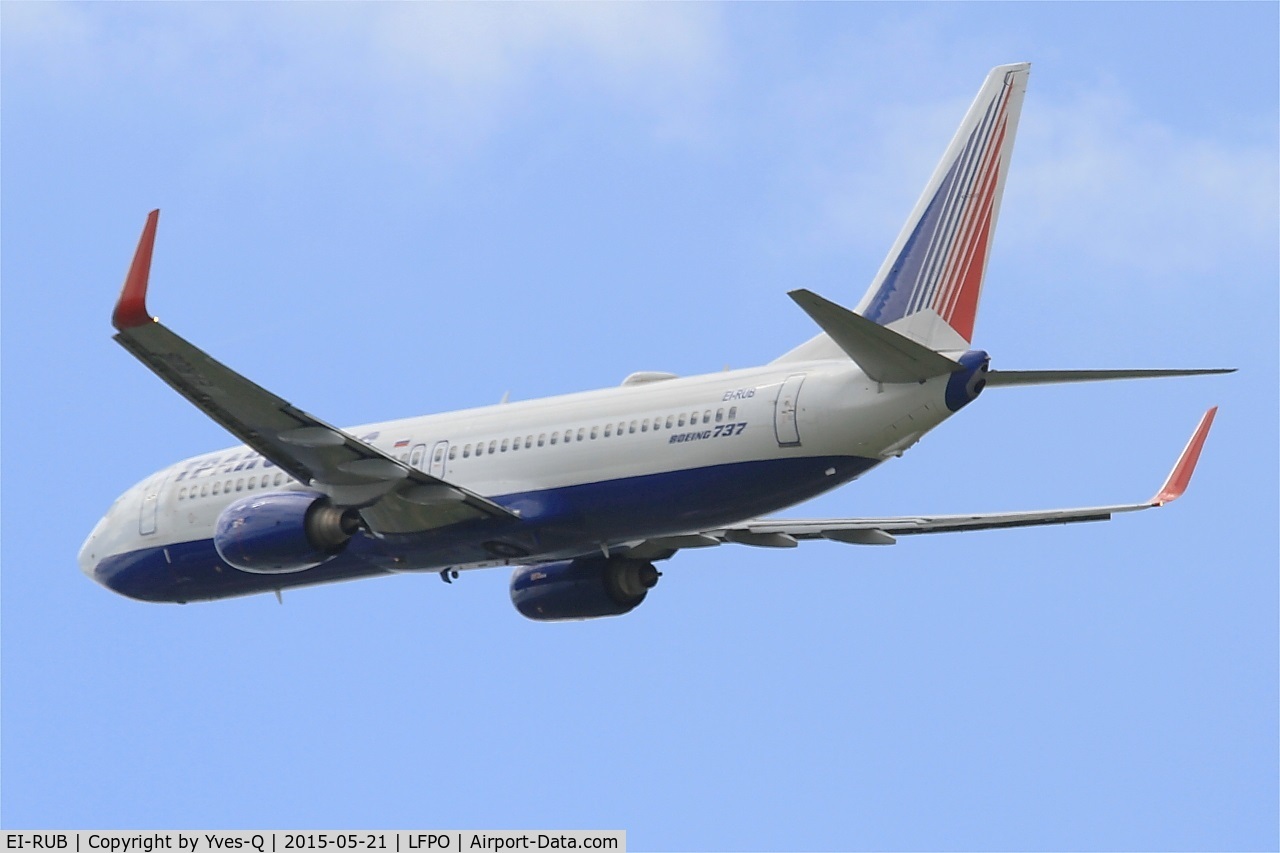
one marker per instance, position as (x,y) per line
(279,479)
(249,485)
(466,452)
(542,439)
(633,427)
(582,433)
(733,412)
(493,444)
(240,484)
(593,433)
(515,445)
(555,436)
(693,419)
(204,490)
(644,425)
(528,442)
(680,420)
(217,487)
(504,446)
(608,430)
(182,493)
(706,416)
(719,415)
(453,452)
(670,420)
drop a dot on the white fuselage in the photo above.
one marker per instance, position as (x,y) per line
(660,434)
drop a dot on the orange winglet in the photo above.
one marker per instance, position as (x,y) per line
(131,310)
(1180,476)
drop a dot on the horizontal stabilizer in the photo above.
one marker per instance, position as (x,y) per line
(1053,377)
(882,353)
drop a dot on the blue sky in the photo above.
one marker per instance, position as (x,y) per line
(383,210)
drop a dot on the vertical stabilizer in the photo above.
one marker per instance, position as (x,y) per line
(929,285)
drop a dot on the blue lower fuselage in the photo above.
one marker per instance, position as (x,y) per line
(554,524)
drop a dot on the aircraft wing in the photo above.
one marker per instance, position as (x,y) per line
(392,496)
(788,533)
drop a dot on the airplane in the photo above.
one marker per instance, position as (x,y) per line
(583,494)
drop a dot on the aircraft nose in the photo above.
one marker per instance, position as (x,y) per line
(88,557)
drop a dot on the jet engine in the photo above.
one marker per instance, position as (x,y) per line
(282,532)
(585,588)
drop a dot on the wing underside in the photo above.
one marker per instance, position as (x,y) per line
(392,496)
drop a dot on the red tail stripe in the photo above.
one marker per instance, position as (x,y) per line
(973,229)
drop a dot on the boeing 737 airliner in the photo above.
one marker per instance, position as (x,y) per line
(584,493)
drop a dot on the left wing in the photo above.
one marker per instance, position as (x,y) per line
(392,496)
(787,533)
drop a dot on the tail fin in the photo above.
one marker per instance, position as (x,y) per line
(928,287)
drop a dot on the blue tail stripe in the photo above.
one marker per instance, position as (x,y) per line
(893,299)
(912,281)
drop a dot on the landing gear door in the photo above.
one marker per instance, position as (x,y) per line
(439,456)
(784,412)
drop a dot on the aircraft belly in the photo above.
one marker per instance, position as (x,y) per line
(553,522)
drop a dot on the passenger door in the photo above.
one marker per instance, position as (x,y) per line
(785,426)
(151,504)
(439,457)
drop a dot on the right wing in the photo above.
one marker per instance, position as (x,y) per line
(392,496)
(787,533)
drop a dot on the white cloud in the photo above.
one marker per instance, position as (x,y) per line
(475,62)
(486,46)
(1093,179)
(426,75)
(1093,183)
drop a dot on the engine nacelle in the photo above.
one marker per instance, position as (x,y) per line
(282,532)
(585,588)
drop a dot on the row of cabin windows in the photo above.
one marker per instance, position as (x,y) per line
(480,448)
(592,433)
(228,486)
